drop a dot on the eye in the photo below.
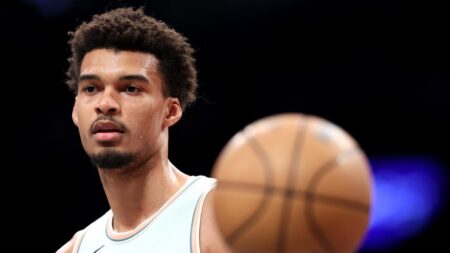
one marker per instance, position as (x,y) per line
(90,89)
(132,89)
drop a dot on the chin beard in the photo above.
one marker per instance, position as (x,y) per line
(111,159)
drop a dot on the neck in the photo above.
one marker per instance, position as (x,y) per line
(136,194)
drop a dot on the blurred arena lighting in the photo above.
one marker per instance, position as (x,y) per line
(409,192)
(50,8)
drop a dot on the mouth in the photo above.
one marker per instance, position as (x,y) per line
(107,127)
(107,131)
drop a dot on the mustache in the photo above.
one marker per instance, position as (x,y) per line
(105,118)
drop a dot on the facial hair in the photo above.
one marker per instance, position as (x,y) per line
(112,159)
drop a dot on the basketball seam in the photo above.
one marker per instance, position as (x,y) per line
(311,197)
(318,197)
(254,145)
(288,192)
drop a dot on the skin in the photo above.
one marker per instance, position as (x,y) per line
(125,88)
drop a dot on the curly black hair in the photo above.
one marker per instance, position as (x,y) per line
(131,29)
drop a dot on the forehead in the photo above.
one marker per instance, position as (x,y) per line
(109,61)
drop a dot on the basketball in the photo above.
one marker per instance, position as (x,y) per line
(292,183)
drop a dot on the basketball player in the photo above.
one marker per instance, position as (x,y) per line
(133,76)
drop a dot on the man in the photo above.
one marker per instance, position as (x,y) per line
(133,76)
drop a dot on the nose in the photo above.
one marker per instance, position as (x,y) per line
(108,103)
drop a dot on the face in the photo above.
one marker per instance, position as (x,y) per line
(120,110)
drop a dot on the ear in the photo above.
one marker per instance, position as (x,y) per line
(173,112)
(74,112)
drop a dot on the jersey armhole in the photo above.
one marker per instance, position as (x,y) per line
(78,238)
(195,231)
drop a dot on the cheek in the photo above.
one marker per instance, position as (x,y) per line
(83,129)
(84,123)
(147,122)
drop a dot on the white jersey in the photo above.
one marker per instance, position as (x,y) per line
(173,229)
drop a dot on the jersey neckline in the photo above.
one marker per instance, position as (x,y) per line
(120,236)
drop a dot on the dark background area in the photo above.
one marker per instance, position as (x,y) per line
(379,69)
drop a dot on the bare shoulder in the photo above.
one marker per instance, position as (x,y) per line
(211,239)
(70,245)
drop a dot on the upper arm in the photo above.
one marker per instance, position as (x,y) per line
(72,244)
(211,239)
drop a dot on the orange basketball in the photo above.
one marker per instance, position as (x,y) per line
(293,183)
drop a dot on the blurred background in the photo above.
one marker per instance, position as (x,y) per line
(379,69)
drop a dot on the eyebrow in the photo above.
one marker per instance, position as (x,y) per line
(134,77)
(122,78)
(89,77)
